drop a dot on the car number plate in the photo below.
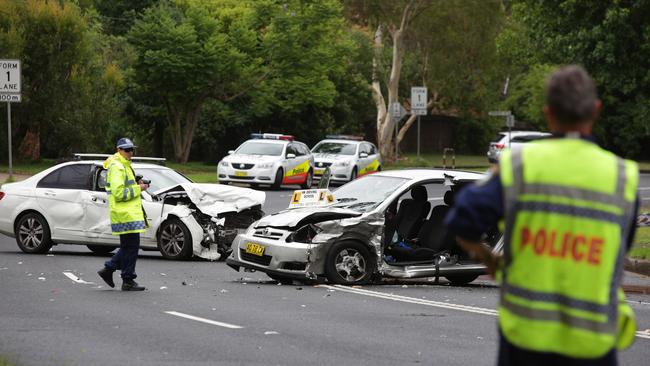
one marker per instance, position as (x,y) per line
(255,249)
(240,173)
(319,171)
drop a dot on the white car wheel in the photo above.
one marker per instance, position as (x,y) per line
(175,240)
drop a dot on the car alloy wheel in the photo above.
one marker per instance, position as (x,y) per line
(308,180)
(349,262)
(175,241)
(33,234)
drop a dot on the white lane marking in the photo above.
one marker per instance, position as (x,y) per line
(444,305)
(412,300)
(203,320)
(76,279)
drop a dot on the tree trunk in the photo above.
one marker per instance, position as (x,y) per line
(30,147)
(386,138)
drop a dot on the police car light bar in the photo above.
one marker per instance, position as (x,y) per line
(272,136)
(344,137)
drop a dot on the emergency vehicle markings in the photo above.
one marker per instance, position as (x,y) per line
(437,304)
(203,320)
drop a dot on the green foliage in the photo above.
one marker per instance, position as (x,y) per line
(612,40)
(526,95)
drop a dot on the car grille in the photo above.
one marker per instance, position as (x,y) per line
(264,260)
(242,166)
(267,234)
(322,165)
(242,178)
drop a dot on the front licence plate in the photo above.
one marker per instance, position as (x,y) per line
(240,173)
(255,249)
(319,171)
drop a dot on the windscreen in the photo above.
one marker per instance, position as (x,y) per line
(335,148)
(366,193)
(260,148)
(161,178)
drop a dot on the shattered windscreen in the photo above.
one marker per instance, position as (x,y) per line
(162,178)
(366,193)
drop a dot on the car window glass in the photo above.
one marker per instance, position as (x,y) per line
(364,149)
(498,138)
(101,179)
(161,177)
(291,150)
(260,148)
(373,149)
(335,148)
(305,149)
(76,176)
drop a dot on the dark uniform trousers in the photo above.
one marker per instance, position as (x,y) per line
(126,256)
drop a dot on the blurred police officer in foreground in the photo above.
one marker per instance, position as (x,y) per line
(568,210)
(127,215)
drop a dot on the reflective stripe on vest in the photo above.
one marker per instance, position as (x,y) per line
(549,225)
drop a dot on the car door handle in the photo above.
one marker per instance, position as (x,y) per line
(97,199)
(49,193)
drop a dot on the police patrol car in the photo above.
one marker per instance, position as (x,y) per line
(348,157)
(268,158)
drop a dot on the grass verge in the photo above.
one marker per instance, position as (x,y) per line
(641,247)
(465,162)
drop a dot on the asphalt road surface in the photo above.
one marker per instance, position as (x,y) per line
(55,310)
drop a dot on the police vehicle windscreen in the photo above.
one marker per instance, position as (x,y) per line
(161,178)
(260,148)
(366,193)
(335,148)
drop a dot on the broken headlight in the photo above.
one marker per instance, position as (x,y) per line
(305,234)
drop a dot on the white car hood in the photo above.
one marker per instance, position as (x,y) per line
(251,159)
(294,217)
(215,199)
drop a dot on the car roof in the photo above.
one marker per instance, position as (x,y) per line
(422,174)
(342,141)
(519,133)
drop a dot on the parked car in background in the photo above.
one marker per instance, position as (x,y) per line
(512,140)
(268,158)
(68,204)
(360,234)
(348,157)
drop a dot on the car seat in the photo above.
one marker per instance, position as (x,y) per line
(412,212)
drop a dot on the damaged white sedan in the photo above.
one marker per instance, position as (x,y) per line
(385,225)
(67,204)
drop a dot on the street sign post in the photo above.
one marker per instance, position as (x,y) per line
(419,106)
(10,89)
(510,121)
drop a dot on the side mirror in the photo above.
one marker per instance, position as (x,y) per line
(230,152)
(291,156)
(363,155)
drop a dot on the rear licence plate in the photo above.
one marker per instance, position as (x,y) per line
(319,171)
(240,174)
(254,249)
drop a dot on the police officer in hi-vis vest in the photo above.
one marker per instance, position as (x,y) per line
(567,210)
(127,215)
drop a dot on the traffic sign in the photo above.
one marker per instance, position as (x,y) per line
(419,112)
(397,111)
(10,83)
(510,121)
(418,97)
(499,113)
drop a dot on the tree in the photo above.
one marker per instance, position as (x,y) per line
(66,85)
(188,54)
(612,41)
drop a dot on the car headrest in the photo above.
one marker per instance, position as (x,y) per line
(449,198)
(419,194)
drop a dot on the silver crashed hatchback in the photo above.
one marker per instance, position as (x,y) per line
(384,225)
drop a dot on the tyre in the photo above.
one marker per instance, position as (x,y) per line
(33,234)
(349,263)
(277,183)
(223,182)
(353,176)
(379,168)
(100,249)
(308,181)
(461,279)
(175,240)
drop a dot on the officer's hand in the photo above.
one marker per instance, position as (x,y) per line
(143,186)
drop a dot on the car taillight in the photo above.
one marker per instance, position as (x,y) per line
(499,146)
(2,194)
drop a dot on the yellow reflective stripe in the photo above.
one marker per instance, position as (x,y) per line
(370,167)
(301,168)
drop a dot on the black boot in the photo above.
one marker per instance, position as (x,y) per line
(107,275)
(130,285)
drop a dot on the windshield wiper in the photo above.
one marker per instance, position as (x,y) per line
(346,199)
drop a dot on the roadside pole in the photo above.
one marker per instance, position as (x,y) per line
(11,168)
(419,106)
(10,89)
